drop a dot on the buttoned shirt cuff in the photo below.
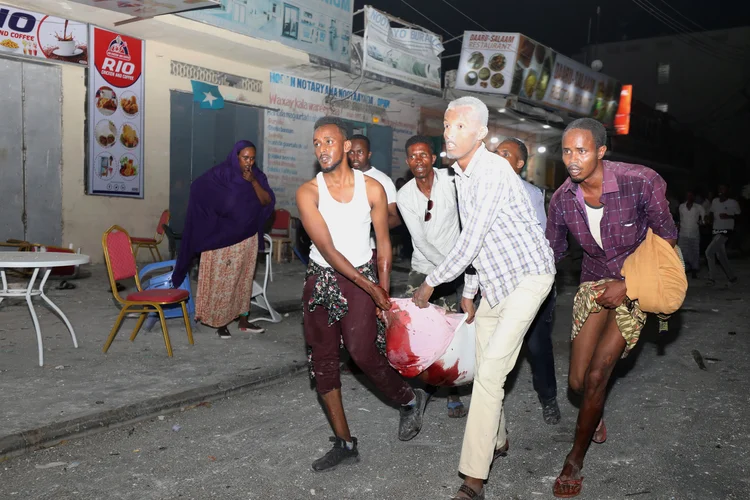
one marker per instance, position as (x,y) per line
(430,280)
(471,286)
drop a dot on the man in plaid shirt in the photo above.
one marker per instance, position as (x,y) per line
(503,250)
(608,207)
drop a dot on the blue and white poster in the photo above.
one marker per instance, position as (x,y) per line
(319,27)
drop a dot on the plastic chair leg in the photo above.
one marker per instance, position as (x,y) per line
(153,318)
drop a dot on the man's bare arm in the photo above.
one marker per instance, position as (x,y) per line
(380,222)
(393,219)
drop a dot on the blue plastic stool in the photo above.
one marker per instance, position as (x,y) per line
(162,281)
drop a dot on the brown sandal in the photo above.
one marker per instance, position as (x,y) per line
(472,495)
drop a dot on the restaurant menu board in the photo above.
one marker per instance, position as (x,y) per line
(116,92)
(513,64)
(487,61)
(532,70)
(574,87)
(29,34)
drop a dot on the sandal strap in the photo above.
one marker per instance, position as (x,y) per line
(467,489)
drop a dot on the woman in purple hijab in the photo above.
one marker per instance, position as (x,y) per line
(228,208)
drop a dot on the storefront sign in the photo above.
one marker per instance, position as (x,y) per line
(403,54)
(622,119)
(38,36)
(289,159)
(487,62)
(149,8)
(574,87)
(116,91)
(511,63)
(319,27)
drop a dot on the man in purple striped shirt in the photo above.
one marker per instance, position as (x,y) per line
(608,207)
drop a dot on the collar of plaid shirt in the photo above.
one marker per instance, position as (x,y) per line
(634,199)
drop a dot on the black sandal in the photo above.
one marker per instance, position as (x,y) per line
(473,495)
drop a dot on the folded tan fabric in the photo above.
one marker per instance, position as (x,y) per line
(655,276)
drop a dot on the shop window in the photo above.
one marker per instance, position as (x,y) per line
(662,73)
(662,106)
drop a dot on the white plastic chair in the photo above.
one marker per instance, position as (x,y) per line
(260,297)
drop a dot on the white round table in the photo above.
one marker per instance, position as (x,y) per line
(37,261)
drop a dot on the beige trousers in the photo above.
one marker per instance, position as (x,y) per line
(500,333)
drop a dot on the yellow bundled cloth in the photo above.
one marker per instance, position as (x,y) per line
(655,276)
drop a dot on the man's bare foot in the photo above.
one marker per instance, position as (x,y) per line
(568,483)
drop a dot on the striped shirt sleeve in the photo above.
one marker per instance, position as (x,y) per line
(494,191)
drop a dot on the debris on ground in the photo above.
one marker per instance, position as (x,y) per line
(50,465)
(699,359)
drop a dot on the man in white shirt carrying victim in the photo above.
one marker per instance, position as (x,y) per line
(429,209)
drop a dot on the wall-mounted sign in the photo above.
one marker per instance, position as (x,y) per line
(622,119)
(116,90)
(511,63)
(487,62)
(403,54)
(149,8)
(319,27)
(30,34)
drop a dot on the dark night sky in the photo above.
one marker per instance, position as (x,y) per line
(560,24)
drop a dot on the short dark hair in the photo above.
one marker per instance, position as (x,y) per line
(333,120)
(360,137)
(593,126)
(419,139)
(521,148)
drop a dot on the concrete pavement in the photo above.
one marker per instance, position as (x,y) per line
(82,390)
(675,432)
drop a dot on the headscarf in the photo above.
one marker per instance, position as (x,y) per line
(223,210)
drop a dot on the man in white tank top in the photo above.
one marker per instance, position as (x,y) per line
(342,298)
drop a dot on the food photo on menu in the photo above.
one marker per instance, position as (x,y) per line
(106,133)
(129,136)
(129,104)
(106,101)
(128,165)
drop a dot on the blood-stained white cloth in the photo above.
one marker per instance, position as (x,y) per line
(432,341)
